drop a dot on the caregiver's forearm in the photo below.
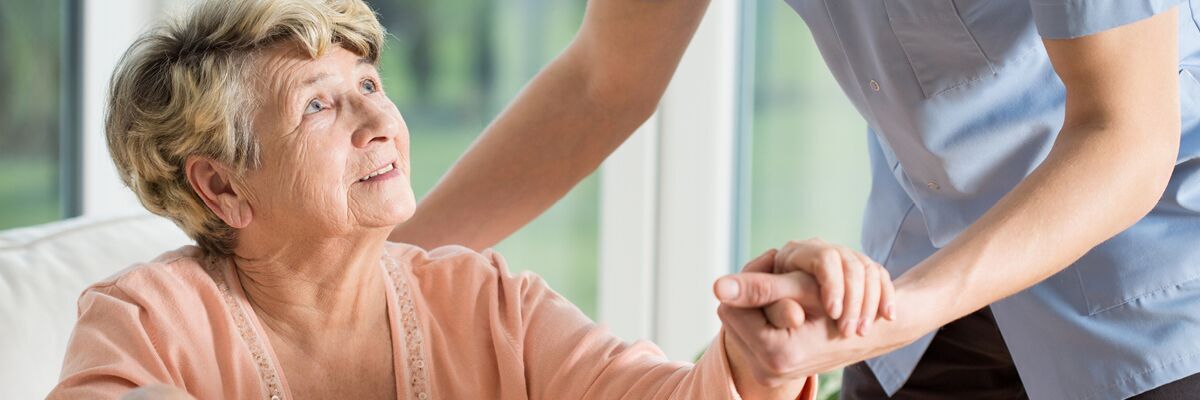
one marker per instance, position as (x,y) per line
(1108,168)
(559,129)
(1087,191)
(1089,188)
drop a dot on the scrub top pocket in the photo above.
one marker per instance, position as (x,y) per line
(941,50)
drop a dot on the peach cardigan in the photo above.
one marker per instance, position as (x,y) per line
(463,327)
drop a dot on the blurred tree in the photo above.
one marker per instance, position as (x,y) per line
(31,47)
(29,77)
(412,22)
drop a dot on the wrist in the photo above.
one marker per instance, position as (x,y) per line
(744,381)
(919,309)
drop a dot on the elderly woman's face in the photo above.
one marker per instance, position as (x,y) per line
(334,147)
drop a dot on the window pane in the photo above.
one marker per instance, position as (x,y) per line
(809,165)
(451,66)
(31,44)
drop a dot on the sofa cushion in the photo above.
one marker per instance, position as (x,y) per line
(43,269)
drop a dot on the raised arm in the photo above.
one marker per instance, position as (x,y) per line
(570,117)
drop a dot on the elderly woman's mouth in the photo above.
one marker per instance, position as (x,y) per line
(385,172)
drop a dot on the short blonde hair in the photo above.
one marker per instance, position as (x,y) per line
(182,90)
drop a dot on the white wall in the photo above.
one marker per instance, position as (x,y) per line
(629,235)
(667,202)
(110,26)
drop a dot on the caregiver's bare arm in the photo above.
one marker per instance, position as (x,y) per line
(571,116)
(1109,166)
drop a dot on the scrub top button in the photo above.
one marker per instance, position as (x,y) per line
(874,85)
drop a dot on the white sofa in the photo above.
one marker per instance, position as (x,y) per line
(43,269)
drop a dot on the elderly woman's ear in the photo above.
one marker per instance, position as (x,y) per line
(213,182)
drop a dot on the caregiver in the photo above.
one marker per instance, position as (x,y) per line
(1036,188)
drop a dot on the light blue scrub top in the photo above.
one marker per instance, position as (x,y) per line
(962,104)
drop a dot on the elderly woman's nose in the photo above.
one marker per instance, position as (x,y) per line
(374,122)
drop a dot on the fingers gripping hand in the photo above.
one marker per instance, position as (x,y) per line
(775,317)
(855,290)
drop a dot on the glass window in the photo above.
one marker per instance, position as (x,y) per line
(31,50)
(451,66)
(808,154)
(804,145)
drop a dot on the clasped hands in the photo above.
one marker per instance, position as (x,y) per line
(805,308)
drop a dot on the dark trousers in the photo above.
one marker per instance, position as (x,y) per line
(968,359)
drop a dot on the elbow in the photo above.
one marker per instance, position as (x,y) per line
(1161,161)
(1154,169)
(624,99)
(1158,178)
(1143,147)
(1151,192)
(624,95)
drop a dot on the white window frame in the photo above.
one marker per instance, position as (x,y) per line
(109,27)
(667,214)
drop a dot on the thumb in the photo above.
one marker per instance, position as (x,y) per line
(757,289)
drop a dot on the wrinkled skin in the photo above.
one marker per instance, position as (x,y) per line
(310,232)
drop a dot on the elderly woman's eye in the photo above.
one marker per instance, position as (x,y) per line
(369,86)
(313,106)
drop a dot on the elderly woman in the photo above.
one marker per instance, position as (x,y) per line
(262,129)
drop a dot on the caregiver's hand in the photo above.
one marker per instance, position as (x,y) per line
(771,349)
(854,289)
